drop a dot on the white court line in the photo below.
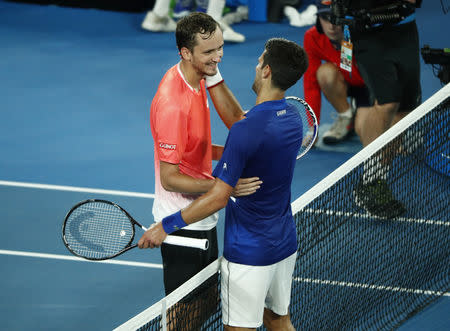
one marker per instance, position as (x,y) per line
(74,258)
(399,219)
(159,266)
(77,189)
(371,287)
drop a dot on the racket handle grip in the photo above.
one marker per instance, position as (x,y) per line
(187,242)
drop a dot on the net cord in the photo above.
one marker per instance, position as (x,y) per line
(156,309)
(371,149)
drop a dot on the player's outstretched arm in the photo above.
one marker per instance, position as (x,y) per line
(173,180)
(209,203)
(226,104)
(217,152)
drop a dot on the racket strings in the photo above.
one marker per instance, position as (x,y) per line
(309,123)
(308,130)
(98,230)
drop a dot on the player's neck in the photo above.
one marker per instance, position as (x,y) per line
(190,75)
(269,95)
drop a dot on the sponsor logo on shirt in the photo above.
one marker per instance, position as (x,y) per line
(168,146)
(281,112)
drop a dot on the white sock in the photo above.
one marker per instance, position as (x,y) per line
(348,113)
(215,9)
(161,8)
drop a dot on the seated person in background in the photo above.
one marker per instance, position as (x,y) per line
(322,42)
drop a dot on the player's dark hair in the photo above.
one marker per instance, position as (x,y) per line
(189,26)
(288,62)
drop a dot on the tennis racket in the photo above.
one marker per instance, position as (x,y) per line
(100,230)
(309,121)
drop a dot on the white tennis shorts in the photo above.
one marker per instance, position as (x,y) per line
(247,289)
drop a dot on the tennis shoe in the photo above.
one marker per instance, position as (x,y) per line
(300,19)
(341,129)
(237,16)
(230,35)
(377,199)
(155,23)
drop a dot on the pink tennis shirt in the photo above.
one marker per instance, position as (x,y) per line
(181,129)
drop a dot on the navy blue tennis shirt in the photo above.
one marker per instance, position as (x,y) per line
(259,228)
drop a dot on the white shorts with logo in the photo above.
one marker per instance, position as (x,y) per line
(247,289)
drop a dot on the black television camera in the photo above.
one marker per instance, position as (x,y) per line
(440,60)
(342,12)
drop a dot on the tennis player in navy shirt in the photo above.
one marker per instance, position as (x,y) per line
(260,236)
(259,229)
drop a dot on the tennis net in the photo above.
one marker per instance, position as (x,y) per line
(373,238)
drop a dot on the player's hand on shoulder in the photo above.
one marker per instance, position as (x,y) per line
(246,186)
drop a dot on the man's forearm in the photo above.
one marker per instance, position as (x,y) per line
(227,106)
(215,199)
(217,152)
(173,180)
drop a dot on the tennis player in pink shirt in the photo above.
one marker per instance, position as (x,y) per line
(180,124)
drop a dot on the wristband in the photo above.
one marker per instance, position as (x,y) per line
(173,223)
(212,81)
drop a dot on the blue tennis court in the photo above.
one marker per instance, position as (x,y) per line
(76,87)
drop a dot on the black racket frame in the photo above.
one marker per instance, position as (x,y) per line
(127,247)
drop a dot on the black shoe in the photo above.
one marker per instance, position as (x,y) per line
(377,199)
